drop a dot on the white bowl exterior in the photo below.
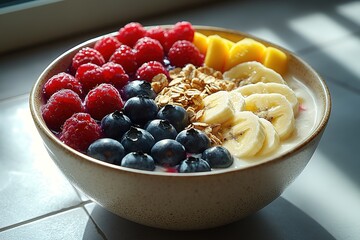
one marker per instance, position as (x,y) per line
(181,202)
(177,201)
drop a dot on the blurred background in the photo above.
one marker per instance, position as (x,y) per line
(37,202)
(38,21)
(28,22)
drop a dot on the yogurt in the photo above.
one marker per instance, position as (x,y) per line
(305,122)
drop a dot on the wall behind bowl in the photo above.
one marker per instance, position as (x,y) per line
(39,21)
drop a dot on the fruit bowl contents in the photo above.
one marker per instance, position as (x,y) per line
(206,125)
(162,97)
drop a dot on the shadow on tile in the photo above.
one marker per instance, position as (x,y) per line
(329,43)
(68,225)
(340,142)
(279,220)
(31,185)
(338,63)
(274,18)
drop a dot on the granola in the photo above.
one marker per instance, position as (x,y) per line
(188,87)
(211,130)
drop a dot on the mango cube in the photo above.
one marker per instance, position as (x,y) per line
(276,60)
(217,52)
(201,42)
(229,43)
(245,50)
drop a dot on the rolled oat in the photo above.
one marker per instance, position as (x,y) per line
(188,87)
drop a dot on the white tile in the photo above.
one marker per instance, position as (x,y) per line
(329,196)
(339,61)
(317,27)
(30,183)
(271,36)
(279,220)
(323,203)
(350,10)
(329,188)
(82,195)
(259,18)
(69,225)
(20,69)
(295,25)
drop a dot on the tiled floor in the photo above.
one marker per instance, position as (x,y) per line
(37,202)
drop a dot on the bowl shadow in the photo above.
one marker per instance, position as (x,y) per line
(279,220)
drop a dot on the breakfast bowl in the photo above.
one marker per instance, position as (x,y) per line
(198,200)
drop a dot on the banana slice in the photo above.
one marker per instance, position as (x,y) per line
(272,139)
(237,100)
(243,134)
(261,87)
(252,72)
(218,108)
(275,108)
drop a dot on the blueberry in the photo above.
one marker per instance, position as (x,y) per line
(107,150)
(137,88)
(168,152)
(140,109)
(115,124)
(218,157)
(194,141)
(138,160)
(161,129)
(176,115)
(167,64)
(193,164)
(137,140)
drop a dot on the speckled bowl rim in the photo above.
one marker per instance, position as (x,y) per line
(35,110)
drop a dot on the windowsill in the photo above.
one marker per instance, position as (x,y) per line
(43,20)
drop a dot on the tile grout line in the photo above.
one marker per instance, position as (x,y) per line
(77,192)
(44,216)
(98,229)
(14,97)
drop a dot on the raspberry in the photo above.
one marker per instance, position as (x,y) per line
(180,31)
(149,70)
(61,81)
(87,55)
(184,31)
(183,52)
(102,100)
(170,39)
(89,75)
(125,56)
(157,33)
(130,33)
(148,49)
(79,131)
(60,106)
(107,46)
(114,74)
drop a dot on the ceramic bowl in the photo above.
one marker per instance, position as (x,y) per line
(185,201)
